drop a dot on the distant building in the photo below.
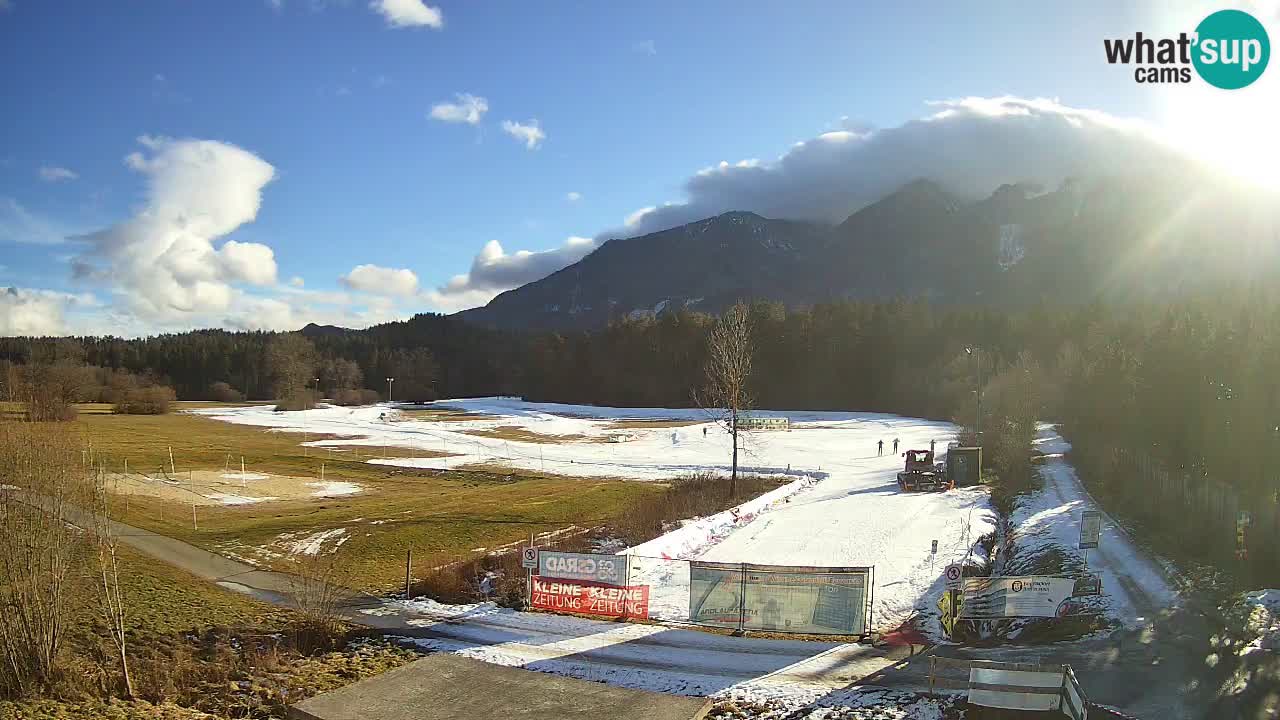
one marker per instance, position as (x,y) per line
(764,423)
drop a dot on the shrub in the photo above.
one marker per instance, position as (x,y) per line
(348,398)
(152,400)
(301,400)
(223,392)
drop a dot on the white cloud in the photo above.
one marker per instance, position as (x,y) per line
(493,271)
(275,5)
(409,13)
(970,145)
(18,225)
(56,174)
(297,281)
(645,47)
(24,311)
(573,196)
(378,280)
(162,262)
(468,109)
(528,133)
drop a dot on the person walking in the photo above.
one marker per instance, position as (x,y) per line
(895,446)
(931,444)
(880,448)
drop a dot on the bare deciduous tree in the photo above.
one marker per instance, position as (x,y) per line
(728,367)
(319,596)
(291,361)
(38,549)
(113,605)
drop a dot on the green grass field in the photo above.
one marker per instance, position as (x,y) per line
(442,516)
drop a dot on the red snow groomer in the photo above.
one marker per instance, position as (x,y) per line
(921,474)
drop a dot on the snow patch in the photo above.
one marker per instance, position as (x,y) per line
(334,489)
(244,476)
(1264,619)
(314,543)
(227,499)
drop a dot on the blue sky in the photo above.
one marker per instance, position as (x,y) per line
(632,100)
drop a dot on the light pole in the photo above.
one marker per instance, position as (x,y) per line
(389,381)
(317,381)
(977,393)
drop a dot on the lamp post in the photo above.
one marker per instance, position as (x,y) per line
(317,381)
(389,381)
(977,393)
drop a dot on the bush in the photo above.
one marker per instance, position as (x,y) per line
(152,400)
(349,398)
(223,392)
(301,400)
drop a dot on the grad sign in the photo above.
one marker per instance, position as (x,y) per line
(588,598)
(1031,596)
(779,598)
(582,566)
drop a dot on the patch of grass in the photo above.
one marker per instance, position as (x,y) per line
(435,513)
(649,424)
(514,432)
(195,651)
(441,414)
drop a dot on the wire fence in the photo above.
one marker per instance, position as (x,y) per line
(1203,516)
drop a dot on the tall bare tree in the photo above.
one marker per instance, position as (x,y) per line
(728,367)
(291,361)
(38,549)
(112,598)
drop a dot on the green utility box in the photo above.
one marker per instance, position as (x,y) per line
(964,465)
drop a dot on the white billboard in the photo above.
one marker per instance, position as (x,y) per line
(608,569)
(1028,596)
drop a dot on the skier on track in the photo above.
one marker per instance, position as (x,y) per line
(895,446)
(880,448)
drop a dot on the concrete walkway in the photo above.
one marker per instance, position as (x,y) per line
(444,686)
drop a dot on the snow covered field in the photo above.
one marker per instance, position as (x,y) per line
(843,507)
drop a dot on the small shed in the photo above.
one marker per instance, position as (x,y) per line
(964,465)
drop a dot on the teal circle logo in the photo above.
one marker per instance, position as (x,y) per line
(1232,49)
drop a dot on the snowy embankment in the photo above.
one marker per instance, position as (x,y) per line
(1263,621)
(1047,521)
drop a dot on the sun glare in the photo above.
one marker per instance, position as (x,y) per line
(1232,130)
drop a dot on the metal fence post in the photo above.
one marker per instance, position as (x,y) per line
(742,599)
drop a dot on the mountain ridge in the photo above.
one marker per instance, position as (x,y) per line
(1019,245)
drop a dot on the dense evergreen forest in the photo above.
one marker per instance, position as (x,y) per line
(1193,387)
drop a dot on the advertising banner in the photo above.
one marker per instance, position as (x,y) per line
(1002,597)
(609,569)
(588,598)
(779,598)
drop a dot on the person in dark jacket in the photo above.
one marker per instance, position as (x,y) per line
(880,448)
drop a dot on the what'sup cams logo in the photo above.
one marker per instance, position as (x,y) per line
(1229,49)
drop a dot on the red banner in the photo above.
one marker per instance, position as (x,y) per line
(588,598)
